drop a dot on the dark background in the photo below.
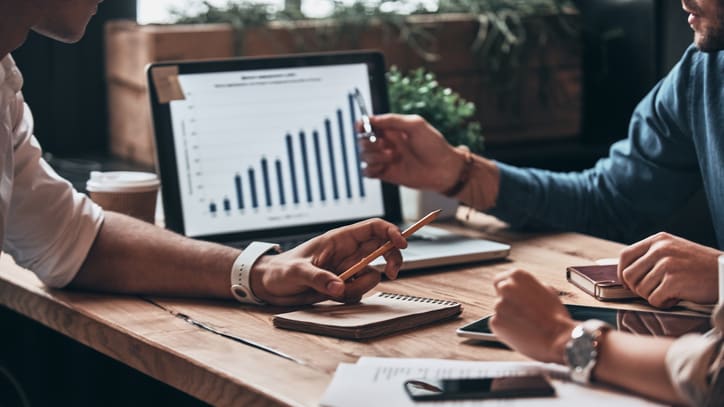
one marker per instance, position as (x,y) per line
(65,86)
(628,46)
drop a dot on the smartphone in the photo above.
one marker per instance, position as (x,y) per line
(479,388)
(655,323)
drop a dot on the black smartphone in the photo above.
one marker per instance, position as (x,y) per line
(479,388)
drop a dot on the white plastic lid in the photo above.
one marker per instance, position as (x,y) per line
(122,181)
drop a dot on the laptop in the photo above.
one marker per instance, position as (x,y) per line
(265,149)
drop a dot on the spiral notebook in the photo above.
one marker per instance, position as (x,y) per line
(380,314)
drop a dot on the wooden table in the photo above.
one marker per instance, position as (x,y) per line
(143,333)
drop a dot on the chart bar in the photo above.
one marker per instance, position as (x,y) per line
(353,117)
(280,182)
(343,143)
(312,159)
(239,192)
(292,169)
(252,187)
(305,165)
(265,179)
(330,151)
(318,155)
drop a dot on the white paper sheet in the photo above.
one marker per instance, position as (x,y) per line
(379,382)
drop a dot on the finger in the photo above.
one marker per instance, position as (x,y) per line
(362,238)
(366,145)
(362,283)
(393,260)
(663,296)
(506,289)
(319,280)
(502,276)
(553,290)
(649,282)
(378,157)
(379,229)
(374,171)
(640,268)
(630,254)
(397,122)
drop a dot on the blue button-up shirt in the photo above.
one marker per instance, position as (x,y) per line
(674,147)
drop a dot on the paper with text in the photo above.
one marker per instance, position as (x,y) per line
(379,381)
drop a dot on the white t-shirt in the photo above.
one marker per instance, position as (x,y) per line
(45,224)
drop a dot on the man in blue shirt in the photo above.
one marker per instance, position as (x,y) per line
(675,146)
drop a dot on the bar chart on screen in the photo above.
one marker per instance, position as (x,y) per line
(271,146)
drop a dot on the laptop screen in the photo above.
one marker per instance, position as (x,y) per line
(271,149)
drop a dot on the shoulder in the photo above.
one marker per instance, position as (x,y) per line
(698,69)
(692,83)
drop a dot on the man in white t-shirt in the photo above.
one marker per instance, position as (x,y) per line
(67,240)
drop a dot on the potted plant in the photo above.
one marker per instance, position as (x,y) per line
(419,92)
(518,61)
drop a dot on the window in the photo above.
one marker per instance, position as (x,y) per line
(157,11)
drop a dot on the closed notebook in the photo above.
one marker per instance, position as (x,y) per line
(600,281)
(380,314)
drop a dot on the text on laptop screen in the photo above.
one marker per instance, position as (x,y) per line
(271,148)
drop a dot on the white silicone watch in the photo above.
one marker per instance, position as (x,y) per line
(240,283)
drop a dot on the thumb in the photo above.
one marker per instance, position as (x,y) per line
(322,281)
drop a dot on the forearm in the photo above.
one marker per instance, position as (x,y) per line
(481,190)
(130,256)
(638,364)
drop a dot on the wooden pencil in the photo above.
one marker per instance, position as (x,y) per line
(365,261)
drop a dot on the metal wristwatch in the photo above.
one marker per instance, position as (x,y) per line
(583,348)
(240,283)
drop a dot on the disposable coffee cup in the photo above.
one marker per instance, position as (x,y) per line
(127,192)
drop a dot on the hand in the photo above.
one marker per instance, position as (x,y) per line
(407,151)
(308,273)
(530,318)
(666,269)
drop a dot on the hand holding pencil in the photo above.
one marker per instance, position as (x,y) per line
(365,261)
(309,272)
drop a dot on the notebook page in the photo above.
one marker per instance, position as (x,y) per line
(377,308)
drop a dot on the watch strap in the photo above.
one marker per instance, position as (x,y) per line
(241,270)
(589,331)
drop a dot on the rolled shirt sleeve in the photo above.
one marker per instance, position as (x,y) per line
(695,364)
(49,227)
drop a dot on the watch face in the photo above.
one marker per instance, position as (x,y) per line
(581,351)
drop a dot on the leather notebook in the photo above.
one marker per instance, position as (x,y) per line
(600,281)
(379,314)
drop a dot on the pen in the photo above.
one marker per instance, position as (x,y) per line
(365,117)
(365,261)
